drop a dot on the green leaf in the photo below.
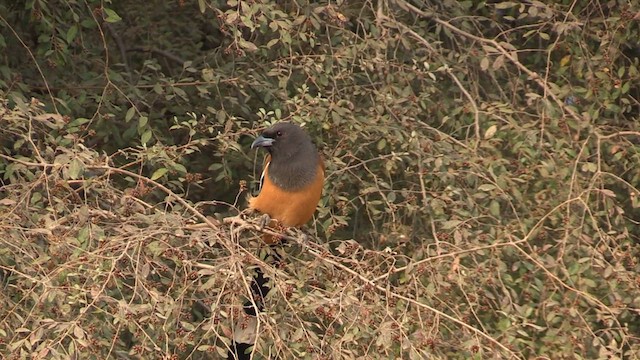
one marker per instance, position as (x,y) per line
(112,16)
(505,5)
(391,197)
(83,234)
(497,64)
(589,282)
(625,87)
(247,45)
(156,247)
(146,136)
(209,284)
(71,33)
(77,122)
(490,132)
(178,91)
(450,224)
(129,115)
(494,208)
(272,42)
(159,173)
(142,122)
(208,74)
(180,168)
(221,116)
(589,167)
(486,187)
(76,169)
(35,198)
(484,63)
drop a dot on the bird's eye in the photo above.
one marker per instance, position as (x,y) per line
(279,133)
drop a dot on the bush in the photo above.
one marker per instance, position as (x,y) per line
(481,197)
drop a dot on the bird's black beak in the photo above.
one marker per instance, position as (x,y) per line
(262,141)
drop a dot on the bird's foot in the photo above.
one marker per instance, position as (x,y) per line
(244,213)
(265,219)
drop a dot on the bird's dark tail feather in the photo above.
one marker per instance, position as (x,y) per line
(259,289)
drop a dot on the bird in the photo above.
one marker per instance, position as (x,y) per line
(293,175)
(291,186)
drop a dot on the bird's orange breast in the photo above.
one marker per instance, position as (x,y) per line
(291,208)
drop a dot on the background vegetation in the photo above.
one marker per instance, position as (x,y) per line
(482,197)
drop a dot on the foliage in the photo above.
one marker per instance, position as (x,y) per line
(482,195)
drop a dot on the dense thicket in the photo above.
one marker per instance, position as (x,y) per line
(483,165)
